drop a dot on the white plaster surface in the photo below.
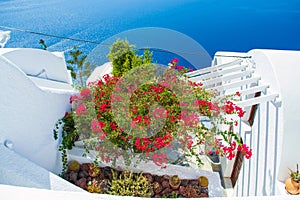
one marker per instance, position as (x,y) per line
(98,73)
(19,171)
(12,192)
(29,112)
(285,67)
(33,61)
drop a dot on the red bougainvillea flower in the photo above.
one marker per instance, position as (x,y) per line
(239,111)
(175,60)
(113,126)
(244,149)
(142,143)
(179,118)
(74,98)
(97,126)
(180,68)
(85,93)
(160,159)
(81,110)
(67,114)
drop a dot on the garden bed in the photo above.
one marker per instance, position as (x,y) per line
(189,175)
(108,180)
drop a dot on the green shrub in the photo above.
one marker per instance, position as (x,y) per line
(130,184)
(124,57)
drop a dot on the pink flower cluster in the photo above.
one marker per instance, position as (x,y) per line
(171,112)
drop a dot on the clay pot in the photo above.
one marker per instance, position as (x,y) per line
(292,187)
(296,184)
(174,182)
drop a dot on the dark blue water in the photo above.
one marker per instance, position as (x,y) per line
(218,25)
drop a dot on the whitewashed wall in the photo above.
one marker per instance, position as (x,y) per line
(28,112)
(274,135)
(33,61)
(286,68)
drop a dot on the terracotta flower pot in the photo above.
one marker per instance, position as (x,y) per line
(291,186)
(174,182)
(296,184)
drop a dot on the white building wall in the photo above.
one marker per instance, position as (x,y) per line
(29,113)
(273,136)
(33,61)
(285,66)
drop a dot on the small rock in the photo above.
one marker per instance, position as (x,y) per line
(165,184)
(166,191)
(81,183)
(184,182)
(194,182)
(66,176)
(73,176)
(83,174)
(101,175)
(203,195)
(85,167)
(166,177)
(149,177)
(157,188)
(181,190)
(155,178)
(89,179)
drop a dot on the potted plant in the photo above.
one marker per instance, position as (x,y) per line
(292,184)
(174,182)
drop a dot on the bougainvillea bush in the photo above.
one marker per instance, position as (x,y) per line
(149,111)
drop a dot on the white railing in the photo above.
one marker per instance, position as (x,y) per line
(258,128)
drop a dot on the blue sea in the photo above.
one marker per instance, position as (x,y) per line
(216,25)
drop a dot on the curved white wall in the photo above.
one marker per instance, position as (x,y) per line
(281,70)
(28,113)
(274,134)
(33,61)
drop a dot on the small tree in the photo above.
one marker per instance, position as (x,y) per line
(124,57)
(79,67)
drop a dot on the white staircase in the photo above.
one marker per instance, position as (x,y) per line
(236,72)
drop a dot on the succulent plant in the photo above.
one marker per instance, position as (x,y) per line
(173,194)
(130,184)
(94,186)
(94,170)
(295,175)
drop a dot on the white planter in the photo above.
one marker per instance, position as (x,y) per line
(215,189)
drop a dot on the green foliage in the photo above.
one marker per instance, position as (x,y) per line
(69,135)
(124,58)
(172,195)
(79,67)
(130,184)
(94,187)
(295,175)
